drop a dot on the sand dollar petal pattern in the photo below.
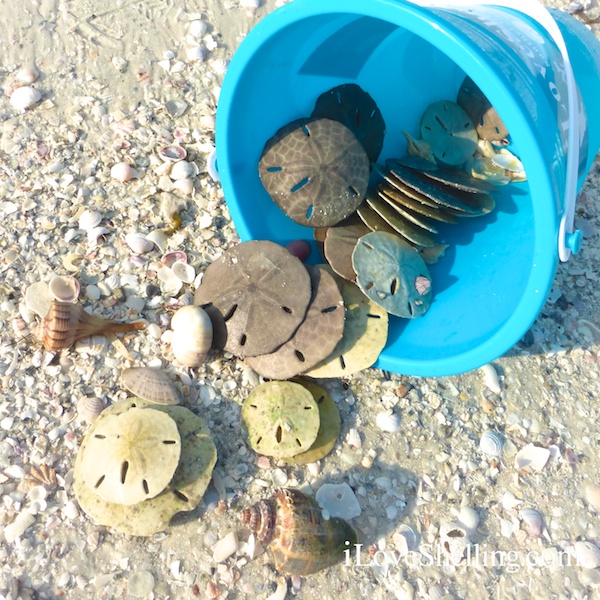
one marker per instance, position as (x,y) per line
(281,418)
(317,174)
(262,293)
(132,457)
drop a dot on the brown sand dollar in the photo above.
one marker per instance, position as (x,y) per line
(262,293)
(317,174)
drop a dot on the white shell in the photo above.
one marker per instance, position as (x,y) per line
(532,457)
(533,520)
(89,219)
(25,97)
(28,74)
(197,28)
(170,284)
(338,500)
(406,539)
(92,345)
(89,407)
(454,539)
(227,546)
(64,288)
(469,517)
(139,243)
(196,53)
(507,160)
(158,238)
(491,443)
(183,271)
(181,170)
(220,65)
(353,438)
(490,377)
(587,555)
(185,186)
(510,501)
(249,3)
(192,335)
(38,298)
(122,172)
(388,421)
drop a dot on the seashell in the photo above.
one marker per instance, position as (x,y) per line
(96,234)
(38,298)
(211,165)
(196,53)
(219,66)
(587,555)
(89,407)
(172,153)
(533,520)
(469,517)
(170,284)
(454,539)
(185,186)
(532,457)
(24,98)
(250,3)
(338,500)
(491,443)
(301,540)
(388,421)
(406,539)
(197,28)
(507,160)
(171,257)
(122,172)
(89,219)
(510,501)
(490,377)
(92,345)
(139,243)
(64,288)
(227,546)
(28,74)
(181,170)
(66,322)
(183,271)
(158,238)
(151,384)
(192,335)
(353,438)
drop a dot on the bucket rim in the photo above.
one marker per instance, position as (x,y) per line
(429,24)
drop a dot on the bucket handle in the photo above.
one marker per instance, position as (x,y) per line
(569,241)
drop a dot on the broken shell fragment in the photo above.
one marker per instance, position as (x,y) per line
(532,457)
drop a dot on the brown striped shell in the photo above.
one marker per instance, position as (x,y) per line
(66,322)
(301,540)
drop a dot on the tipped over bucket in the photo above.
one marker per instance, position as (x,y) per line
(493,281)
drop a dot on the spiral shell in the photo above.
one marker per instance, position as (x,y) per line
(66,322)
(302,542)
(192,335)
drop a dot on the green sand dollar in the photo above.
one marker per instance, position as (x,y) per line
(365,335)
(392,274)
(186,489)
(329,426)
(132,456)
(281,418)
(450,132)
(317,174)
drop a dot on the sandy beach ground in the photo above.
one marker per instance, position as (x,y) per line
(119,79)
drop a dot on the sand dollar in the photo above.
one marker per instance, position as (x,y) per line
(317,174)
(281,418)
(392,274)
(365,335)
(132,457)
(329,426)
(450,132)
(340,243)
(193,474)
(316,337)
(262,293)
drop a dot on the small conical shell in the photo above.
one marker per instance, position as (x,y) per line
(151,384)
(67,322)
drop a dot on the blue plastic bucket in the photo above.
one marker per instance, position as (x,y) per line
(494,278)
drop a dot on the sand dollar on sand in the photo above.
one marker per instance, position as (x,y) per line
(281,418)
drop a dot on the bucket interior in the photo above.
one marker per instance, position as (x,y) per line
(482,278)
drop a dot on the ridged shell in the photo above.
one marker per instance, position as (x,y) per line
(92,345)
(66,322)
(192,335)
(533,521)
(89,407)
(491,443)
(302,542)
(151,384)
(89,219)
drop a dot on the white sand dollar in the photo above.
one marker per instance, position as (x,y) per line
(132,457)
